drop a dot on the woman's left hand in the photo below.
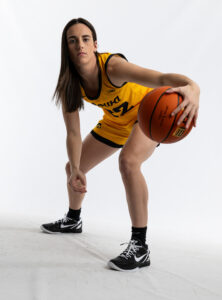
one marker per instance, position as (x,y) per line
(190,103)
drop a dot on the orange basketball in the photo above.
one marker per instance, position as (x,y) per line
(155,120)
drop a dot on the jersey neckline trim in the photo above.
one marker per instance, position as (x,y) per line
(100,81)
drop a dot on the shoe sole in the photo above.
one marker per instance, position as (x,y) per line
(111,265)
(52,232)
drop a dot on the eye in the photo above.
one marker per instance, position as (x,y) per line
(85,39)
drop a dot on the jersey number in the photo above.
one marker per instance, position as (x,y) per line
(123,107)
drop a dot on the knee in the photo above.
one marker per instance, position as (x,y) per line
(67,168)
(127,164)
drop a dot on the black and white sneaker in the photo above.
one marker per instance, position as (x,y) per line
(135,256)
(64,225)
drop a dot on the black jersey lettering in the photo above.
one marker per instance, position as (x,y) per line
(110,103)
(123,108)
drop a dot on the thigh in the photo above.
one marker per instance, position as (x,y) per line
(138,146)
(93,152)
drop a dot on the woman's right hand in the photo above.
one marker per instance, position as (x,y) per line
(77,181)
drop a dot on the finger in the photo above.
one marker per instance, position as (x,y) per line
(185,113)
(79,182)
(83,180)
(173,90)
(195,118)
(78,189)
(191,115)
(81,186)
(180,107)
(81,191)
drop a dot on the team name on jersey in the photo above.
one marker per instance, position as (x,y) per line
(109,103)
(118,110)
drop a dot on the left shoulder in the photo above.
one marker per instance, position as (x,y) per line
(113,63)
(120,70)
(115,59)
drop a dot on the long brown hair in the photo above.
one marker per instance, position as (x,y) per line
(68,86)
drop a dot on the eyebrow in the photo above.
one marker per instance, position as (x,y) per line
(73,36)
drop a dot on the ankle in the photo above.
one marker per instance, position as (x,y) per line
(139,233)
(74,213)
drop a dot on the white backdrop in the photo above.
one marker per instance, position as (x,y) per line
(184,179)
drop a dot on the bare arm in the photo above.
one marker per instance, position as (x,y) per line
(73,140)
(120,71)
(74,148)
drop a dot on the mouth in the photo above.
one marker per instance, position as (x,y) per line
(81,53)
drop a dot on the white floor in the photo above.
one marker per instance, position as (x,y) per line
(40,266)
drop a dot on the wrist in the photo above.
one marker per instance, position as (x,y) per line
(74,168)
(195,86)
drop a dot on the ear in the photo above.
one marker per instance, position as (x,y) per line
(96,45)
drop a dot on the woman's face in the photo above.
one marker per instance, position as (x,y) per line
(80,44)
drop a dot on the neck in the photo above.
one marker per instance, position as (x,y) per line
(88,72)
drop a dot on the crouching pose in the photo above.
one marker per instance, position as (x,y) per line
(117,86)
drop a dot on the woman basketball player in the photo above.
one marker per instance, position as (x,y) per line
(117,86)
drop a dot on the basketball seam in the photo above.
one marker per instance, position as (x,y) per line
(173,121)
(153,114)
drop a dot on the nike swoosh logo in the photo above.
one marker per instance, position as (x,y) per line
(66,226)
(137,259)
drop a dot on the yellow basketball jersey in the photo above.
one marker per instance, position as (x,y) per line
(120,104)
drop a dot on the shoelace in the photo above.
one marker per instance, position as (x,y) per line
(63,220)
(130,250)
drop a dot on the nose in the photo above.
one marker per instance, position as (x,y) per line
(80,44)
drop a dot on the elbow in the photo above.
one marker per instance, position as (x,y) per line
(161,80)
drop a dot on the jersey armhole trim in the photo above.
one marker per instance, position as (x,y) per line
(106,63)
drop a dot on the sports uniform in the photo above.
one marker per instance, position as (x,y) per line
(119,104)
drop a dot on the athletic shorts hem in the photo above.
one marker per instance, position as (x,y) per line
(104,140)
